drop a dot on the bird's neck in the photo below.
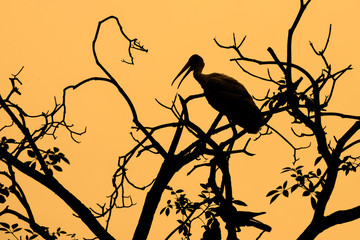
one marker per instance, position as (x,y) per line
(199,76)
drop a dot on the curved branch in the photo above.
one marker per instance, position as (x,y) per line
(342,216)
(157,146)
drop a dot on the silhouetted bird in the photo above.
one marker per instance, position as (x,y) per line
(226,95)
(244,218)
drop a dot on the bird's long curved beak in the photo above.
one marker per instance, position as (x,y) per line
(188,67)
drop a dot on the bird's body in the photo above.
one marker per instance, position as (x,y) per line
(226,95)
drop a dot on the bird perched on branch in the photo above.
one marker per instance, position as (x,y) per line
(244,218)
(226,95)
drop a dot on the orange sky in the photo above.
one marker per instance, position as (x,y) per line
(52,39)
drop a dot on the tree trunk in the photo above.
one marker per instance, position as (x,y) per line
(312,230)
(152,200)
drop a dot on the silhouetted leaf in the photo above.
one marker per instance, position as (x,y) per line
(240,203)
(33,236)
(179,191)
(311,187)
(168,188)
(10,140)
(3,229)
(284,185)
(2,199)
(56,149)
(318,172)
(15,225)
(317,160)
(272,192)
(162,210)
(18,229)
(203,185)
(274,198)
(57,168)
(286,169)
(167,211)
(64,159)
(306,193)
(202,195)
(31,153)
(5,225)
(286,193)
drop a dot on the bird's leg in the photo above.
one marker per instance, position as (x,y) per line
(233,128)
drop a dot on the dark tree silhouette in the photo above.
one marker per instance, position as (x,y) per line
(26,156)
(304,98)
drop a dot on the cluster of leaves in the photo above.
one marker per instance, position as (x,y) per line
(208,210)
(349,164)
(187,209)
(304,181)
(31,235)
(182,205)
(12,229)
(59,232)
(52,159)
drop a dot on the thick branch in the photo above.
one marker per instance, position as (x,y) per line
(342,216)
(27,135)
(51,183)
(343,140)
(42,231)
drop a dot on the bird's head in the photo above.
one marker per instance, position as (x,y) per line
(194,61)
